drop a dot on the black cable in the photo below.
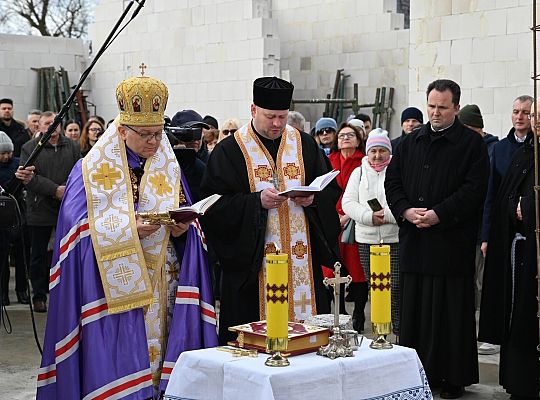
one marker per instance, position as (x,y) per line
(4,316)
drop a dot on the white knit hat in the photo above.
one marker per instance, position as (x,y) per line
(378,137)
(5,142)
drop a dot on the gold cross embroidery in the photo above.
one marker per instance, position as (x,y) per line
(153,353)
(111,222)
(142,68)
(160,183)
(263,173)
(123,274)
(106,176)
(291,170)
(299,249)
(302,303)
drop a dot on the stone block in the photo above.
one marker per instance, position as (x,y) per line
(472,75)
(465,96)
(503,97)
(450,27)
(524,46)
(483,98)
(443,53)
(495,74)
(210,14)
(483,49)
(506,3)
(440,8)
(462,6)
(518,73)
(518,19)
(390,6)
(493,23)
(506,48)
(461,51)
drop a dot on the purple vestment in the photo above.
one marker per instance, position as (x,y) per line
(89,354)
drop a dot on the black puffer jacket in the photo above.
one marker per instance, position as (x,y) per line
(53,166)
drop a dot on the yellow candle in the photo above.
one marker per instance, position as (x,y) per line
(277,304)
(380,287)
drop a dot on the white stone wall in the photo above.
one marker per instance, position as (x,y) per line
(207,52)
(365,38)
(484,45)
(19,54)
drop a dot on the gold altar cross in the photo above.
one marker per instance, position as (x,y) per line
(142,68)
(123,274)
(106,176)
(303,302)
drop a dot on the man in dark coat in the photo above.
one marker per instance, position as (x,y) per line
(248,169)
(411,118)
(435,186)
(509,307)
(44,194)
(15,131)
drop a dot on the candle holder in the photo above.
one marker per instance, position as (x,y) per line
(276,346)
(381,330)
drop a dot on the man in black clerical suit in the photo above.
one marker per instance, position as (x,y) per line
(249,169)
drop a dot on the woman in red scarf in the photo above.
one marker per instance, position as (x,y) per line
(349,146)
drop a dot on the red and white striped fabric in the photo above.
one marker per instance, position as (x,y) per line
(68,345)
(67,243)
(46,375)
(200,233)
(122,387)
(93,311)
(166,371)
(191,295)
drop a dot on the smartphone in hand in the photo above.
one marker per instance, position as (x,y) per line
(374,205)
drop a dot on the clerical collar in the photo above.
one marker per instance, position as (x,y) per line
(134,160)
(442,130)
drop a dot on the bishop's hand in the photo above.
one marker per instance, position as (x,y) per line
(143,229)
(179,228)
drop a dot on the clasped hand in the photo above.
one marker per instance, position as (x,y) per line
(421,217)
(145,230)
(271,199)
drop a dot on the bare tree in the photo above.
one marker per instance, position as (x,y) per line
(66,18)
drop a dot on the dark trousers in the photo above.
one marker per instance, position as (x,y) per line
(19,249)
(39,263)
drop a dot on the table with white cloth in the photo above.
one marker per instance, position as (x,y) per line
(210,374)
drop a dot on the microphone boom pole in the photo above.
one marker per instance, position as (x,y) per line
(14,185)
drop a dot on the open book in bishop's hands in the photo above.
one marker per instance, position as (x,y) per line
(317,185)
(181,214)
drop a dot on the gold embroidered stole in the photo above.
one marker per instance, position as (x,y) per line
(287,226)
(121,256)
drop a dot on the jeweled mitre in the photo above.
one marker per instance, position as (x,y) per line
(142,101)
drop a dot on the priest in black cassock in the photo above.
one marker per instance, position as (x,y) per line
(249,169)
(508,313)
(435,187)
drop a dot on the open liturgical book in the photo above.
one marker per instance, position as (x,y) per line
(317,185)
(181,214)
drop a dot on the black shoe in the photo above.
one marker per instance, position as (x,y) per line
(450,391)
(22,298)
(5,300)
(40,306)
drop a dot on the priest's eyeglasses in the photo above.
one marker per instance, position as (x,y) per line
(531,116)
(147,136)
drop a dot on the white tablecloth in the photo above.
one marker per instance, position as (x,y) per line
(370,374)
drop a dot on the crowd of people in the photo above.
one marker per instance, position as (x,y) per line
(437,194)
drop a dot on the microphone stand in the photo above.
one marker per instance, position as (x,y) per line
(14,186)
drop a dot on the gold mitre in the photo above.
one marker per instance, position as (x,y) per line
(142,101)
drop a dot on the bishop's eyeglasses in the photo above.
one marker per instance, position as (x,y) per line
(147,136)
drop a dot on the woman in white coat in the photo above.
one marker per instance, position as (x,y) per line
(374,226)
